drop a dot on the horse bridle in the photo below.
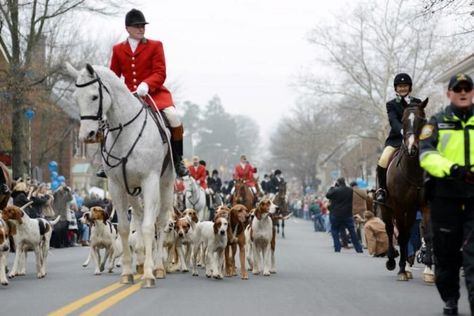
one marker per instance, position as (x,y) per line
(106,155)
(99,115)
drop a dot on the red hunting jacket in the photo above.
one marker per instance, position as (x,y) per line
(146,64)
(199,174)
(245,173)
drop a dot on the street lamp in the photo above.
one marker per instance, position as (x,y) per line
(30,114)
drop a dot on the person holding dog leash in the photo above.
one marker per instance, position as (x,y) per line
(447,156)
(141,62)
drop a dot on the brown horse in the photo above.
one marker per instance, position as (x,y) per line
(5,197)
(405,188)
(243,195)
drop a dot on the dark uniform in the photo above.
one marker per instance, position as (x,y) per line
(445,149)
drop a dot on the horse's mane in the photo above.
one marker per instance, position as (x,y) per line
(110,78)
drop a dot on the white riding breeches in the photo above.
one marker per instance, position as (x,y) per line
(386,154)
(172,116)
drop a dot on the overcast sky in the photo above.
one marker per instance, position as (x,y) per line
(246,51)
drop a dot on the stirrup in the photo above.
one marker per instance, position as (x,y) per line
(4,189)
(180,169)
(101,173)
(380,195)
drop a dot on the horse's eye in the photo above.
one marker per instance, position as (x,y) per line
(94,98)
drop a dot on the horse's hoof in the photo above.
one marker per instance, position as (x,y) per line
(126,279)
(409,274)
(428,278)
(140,268)
(148,284)
(390,265)
(402,277)
(159,273)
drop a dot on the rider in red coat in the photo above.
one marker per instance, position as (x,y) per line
(198,172)
(141,62)
(244,170)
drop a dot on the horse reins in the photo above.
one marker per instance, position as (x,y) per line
(103,126)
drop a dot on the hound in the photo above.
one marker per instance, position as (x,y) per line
(4,249)
(185,229)
(214,236)
(103,236)
(31,234)
(261,236)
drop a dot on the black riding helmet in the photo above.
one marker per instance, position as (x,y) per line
(135,17)
(402,78)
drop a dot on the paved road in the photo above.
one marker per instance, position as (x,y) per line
(311,280)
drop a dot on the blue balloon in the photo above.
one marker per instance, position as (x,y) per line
(53,166)
(55,185)
(61,179)
(29,114)
(54,175)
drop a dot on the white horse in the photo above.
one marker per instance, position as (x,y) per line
(135,156)
(195,197)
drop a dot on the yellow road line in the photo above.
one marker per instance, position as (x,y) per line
(102,306)
(87,299)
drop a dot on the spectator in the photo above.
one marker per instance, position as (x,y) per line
(341,214)
(375,234)
(359,206)
(315,211)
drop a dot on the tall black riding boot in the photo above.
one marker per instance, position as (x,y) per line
(381,193)
(177,147)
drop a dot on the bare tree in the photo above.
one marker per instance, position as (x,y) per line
(360,52)
(460,13)
(27,30)
(366,50)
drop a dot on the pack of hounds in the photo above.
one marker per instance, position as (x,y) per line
(189,244)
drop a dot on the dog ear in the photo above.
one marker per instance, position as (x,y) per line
(258,213)
(215,227)
(177,213)
(11,228)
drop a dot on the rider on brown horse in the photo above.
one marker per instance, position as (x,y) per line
(403,86)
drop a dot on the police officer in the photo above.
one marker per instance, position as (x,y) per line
(446,154)
(403,86)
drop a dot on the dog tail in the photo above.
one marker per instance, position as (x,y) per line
(288,216)
(55,221)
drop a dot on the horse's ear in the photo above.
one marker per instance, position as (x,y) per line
(424,103)
(72,71)
(90,70)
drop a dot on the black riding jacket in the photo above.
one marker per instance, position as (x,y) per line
(395,109)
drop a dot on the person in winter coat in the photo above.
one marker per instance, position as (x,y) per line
(340,196)
(375,235)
